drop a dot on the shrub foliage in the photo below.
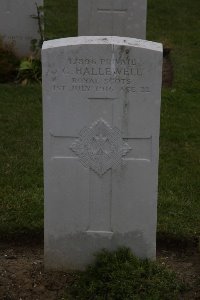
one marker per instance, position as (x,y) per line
(8,63)
(120,275)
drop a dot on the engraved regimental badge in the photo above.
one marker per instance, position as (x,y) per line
(100,147)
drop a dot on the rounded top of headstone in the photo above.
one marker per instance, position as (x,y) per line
(102,40)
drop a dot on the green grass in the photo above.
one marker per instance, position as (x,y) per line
(21,182)
(61,18)
(120,275)
(177,23)
(179,176)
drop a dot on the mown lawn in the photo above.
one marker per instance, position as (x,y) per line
(21,186)
(175,22)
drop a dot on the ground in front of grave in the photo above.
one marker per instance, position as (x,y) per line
(22,274)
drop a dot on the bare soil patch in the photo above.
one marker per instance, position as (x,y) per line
(186,264)
(22,274)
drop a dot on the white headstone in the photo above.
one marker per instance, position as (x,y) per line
(101,145)
(112,17)
(16,24)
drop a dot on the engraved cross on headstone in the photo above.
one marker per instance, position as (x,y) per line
(111,12)
(102,148)
(8,6)
(111,7)
(125,18)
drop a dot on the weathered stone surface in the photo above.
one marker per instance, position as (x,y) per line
(101,145)
(112,17)
(16,24)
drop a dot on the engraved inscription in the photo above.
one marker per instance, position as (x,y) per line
(100,147)
(122,74)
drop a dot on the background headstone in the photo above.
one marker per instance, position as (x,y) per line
(112,17)
(101,145)
(16,24)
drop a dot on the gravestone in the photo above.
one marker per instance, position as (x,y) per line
(112,17)
(101,104)
(17,27)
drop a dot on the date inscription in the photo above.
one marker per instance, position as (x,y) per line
(98,75)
